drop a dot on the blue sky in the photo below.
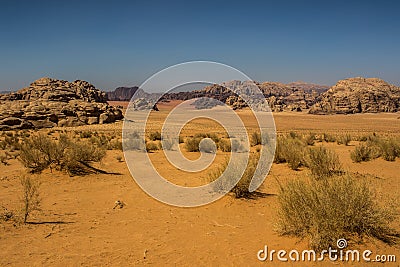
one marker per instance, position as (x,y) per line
(122,43)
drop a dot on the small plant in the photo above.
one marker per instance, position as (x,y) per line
(390,149)
(119,158)
(329,138)
(30,196)
(224,145)
(154,136)
(207,145)
(323,162)
(328,209)
(255,139)
(192,144)
(4,159)
(290,150)
(152,146)
(361,152)
(344,139)
(241,189)
(309,139)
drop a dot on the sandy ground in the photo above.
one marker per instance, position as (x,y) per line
(78,225)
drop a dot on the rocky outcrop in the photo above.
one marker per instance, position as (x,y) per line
(358,95)
(280,96)
(49,102)
(122,93)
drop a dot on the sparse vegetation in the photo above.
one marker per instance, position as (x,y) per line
(329,209)
(361,153)
(74,156)
(323,162)
(154,136)
(152,146)
(290,150)
(30,196)
(344,139)
(241,189)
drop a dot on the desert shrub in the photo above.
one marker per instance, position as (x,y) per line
(134,144)
(238,146)
(192,144)
(152,146)
(323,162)
(224,145)
(329,209)
(290,150)
(30,196)
(40,152)
(293,135)
(212,136)
(181,139)
(329,138)
(361,152)
(78,155)
(207,145)
(389,149)
(168,144)
(241,189)
(344,139)
(85,134)
(119,158)
(115,144)
(309,139)
(154,136)
(74,156)
(255,139)
(12,142)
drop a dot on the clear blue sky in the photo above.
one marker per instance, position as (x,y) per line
(118,43)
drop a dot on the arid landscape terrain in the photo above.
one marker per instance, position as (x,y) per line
(104,218)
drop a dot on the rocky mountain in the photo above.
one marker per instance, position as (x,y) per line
(358,95)
(122,93)
(280,96)
(308,87)
(49,102)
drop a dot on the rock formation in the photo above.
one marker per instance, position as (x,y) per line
(49,102)
(358,95)
(122,93)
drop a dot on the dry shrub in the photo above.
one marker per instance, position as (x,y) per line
(154,136)
(241,189)
(329,209)
(152,146)
(192,144)
(361,152)
(72,155)
(344,139)
(390,149)
(30,196)
(323,162)
(224,145)
(309,139)
(329,138)
(255,139)
(207,145)
(290,150)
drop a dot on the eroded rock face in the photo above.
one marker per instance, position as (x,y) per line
(358,95)
(49,102)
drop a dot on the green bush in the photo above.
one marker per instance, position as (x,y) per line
(329,209)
